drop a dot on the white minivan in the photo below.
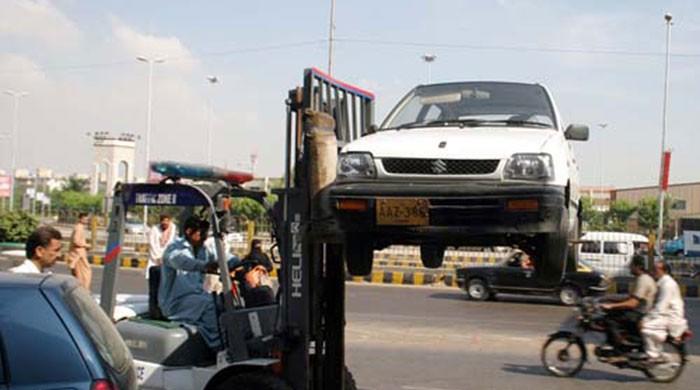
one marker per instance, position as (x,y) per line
(611,252)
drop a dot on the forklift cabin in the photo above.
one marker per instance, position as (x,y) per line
(297,343)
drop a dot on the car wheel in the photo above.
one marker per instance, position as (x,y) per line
(358,252)
(432,255)
(477,290)
(569,295)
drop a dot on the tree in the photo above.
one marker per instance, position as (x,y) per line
(16,226)
(648,212)
(76,184)
(618,215)
(73,202)
(592,218)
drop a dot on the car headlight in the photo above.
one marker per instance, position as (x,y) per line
(356,166)
(529,166)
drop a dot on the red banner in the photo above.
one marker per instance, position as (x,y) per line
(5,184)
(665,170)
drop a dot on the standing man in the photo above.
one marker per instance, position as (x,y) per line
(668,315)
(181,295)
(77,253)
(42,249)
(160,236)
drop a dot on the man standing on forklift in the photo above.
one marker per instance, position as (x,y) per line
(181,295)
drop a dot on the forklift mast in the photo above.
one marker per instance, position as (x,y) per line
(312,274)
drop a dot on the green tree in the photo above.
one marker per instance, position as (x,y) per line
(16,226)
(69,203)
(648,213)
(620,212)
(592,218)
(76,184)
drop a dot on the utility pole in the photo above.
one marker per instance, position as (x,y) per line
(330,38)
(429,59)
(602,127)
(149,120)
(16,95)
(662,191)
(210,117)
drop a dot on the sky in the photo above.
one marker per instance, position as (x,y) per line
(603,61)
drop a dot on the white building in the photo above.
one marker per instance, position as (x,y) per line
(113,162)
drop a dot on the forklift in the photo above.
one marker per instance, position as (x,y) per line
(298,342)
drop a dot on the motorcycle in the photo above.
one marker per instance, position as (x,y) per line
(564,353)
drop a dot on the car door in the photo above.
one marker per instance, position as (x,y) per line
(512,277)
(3,364)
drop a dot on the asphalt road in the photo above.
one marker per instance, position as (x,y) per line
(423,338)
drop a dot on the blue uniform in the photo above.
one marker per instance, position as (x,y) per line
(181,295)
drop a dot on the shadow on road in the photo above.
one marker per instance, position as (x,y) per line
(584,374)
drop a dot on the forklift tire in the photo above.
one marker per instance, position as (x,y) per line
(254,381)
(432,255)
(358,252)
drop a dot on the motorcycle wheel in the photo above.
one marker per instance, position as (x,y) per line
(563,355)
(672,368)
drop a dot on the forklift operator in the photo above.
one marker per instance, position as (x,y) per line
(181,295)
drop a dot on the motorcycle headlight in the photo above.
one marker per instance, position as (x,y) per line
(529,166)
(356,166)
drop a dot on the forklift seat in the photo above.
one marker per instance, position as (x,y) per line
(169,343)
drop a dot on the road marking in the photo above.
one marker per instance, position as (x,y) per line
(421,388)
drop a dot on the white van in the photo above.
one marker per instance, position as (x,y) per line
(611,252)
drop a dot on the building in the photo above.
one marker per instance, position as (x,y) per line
(113,161)
(601,197)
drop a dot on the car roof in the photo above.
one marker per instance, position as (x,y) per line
(620,236)
(33,281)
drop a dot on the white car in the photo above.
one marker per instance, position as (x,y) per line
(462,164)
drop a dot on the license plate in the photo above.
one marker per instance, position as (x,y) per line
(403,211)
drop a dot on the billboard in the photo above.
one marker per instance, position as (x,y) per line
(5,185)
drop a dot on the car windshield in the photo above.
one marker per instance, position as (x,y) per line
(474,104)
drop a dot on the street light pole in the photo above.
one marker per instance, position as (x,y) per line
(600,161)
(149,118)
(331,29)
(662,193)
(429,59)
(16,95)
(210,114)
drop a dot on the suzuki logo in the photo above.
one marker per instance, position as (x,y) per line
(438,167)
(442,144)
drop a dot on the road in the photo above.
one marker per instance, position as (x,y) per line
(424,338)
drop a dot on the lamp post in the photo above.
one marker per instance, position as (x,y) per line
(149,118)
(602,127)
(210,114)
(662,192)
(16,95)
(331,30)
(429,59)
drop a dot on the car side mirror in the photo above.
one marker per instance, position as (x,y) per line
(576,133)
(372,129)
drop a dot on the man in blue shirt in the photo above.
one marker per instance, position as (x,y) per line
(181,295)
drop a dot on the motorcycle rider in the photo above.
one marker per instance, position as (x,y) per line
(668,315)
(627,314)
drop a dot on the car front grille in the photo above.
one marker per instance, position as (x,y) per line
(424,166)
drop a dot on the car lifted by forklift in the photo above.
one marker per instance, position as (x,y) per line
(298,342)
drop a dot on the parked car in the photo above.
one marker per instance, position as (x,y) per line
(135,227)
(511,277)
(53,335)
(611,252)
(674,247)
(462,164)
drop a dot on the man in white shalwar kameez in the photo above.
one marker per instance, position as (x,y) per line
(668,315)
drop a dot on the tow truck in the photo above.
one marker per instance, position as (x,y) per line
(298,342)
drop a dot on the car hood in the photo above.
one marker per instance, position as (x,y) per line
(455,142)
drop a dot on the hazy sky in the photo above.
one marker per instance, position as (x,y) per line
(602,60)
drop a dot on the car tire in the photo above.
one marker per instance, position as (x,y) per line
(358,252)
(477,290)
(569,295)
(432,256)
